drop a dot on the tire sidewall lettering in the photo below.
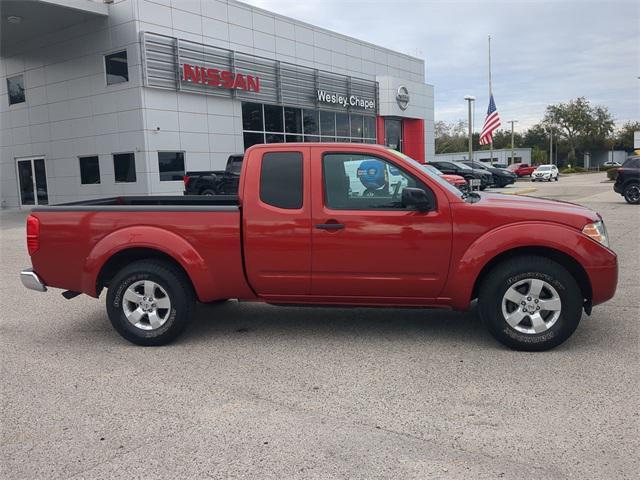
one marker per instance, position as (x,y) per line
(534,338)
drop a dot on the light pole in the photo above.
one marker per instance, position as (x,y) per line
(551,146)
(470,99)
(512,122)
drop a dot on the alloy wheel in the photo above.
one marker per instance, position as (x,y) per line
(146,305)
(531,306)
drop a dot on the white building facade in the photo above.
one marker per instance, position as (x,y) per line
(121,98)
(503,156)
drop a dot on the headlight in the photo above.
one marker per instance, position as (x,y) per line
(597,231)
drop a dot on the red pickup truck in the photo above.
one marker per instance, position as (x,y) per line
(302,231)
(522,169)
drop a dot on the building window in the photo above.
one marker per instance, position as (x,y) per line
(252,117)
(171,166)
(116,67)
(89,170)
(277,124)
(281,179)
(15,89)
(124,167)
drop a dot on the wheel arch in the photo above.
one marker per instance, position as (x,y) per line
(139,243)
(571,264)
(119,260)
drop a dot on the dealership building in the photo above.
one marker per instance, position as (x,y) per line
(121,97)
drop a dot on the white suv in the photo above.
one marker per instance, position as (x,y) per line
(545,172)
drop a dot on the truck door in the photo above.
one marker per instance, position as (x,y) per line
(365,242)
(276,212)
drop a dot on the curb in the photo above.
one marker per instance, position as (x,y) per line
(520,191)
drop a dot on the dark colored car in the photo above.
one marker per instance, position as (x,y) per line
(465,171)
(217,182)
(501,176)
(628,180)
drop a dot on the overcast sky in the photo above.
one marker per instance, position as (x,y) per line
(542,51)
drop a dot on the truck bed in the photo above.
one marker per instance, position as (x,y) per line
(150,202)
(201,233)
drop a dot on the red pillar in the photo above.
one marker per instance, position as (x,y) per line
(380,130)
(413,138)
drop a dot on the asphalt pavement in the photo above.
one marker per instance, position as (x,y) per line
(260,392)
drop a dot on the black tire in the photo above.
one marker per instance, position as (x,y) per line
(631,193)
(208,192)
(556,179)
(509,273)
(177,287)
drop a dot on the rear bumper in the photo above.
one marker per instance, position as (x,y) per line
(32,281)
(617,188)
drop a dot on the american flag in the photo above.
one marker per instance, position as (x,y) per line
(491,123)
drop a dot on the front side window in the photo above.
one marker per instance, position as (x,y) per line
(15,89)
(171,166)
(365,182)
(116,67)
(124,167)
(89,170)
(281,181)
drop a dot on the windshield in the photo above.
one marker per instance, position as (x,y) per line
(428,169)
(462,165)
(431,168)
(544,167)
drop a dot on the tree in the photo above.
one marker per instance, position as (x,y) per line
(580,124)
(537,136)
(623,139)
(451,137)
(539,156)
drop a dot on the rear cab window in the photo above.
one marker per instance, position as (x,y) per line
(281,180)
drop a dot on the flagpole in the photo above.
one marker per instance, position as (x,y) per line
(490,93)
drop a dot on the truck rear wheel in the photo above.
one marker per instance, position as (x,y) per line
(150,302)
(530,303)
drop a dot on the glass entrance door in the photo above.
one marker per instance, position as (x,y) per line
(393,133)
(32,181)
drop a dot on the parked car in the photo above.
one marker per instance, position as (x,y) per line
(628,180)
(611,163)
(545,172)
(301,232)
(496,165)
(456,180)
(501,177)
(521,169)
(468,173)
(218,182)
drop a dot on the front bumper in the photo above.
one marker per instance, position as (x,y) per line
(32,281)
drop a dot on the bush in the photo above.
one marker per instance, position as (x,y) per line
(568,170)
(612,173)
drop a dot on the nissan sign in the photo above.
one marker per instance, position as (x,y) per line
(402,97)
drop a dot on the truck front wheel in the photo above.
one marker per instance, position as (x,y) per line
(530,303)
(150,302)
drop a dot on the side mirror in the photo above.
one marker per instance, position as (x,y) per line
(416,197)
